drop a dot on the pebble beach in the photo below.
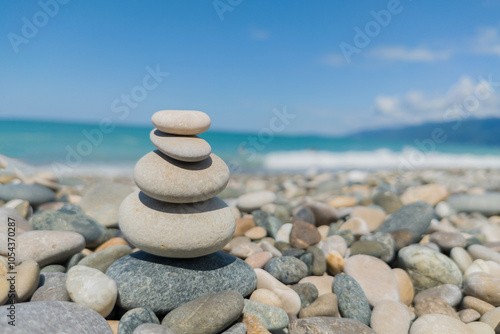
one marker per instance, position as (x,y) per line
(181,246)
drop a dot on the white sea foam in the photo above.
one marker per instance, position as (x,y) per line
(406,160)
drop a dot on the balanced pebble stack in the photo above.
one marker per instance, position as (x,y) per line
(177,221)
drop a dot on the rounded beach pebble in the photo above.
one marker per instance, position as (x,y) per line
(92,288)
(181,122)
(164,283)
(183,148)
(176,230)
(208,314)
(174,181)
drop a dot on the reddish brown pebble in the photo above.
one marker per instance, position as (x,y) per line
(243,225)
(304,235)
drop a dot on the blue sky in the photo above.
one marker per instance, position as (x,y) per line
(238,60)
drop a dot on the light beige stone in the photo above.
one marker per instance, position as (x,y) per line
(246,250)
(468,315)
(483,286)
(343,202)
(92,288)
(333,242)
(390,317)
(430,193)
(174,181)
(259,260)
(255,200)
(373,217)
(289,298)
(375,278)
(181,122)
(255,233)
(176,230)
(461,258)
(477,304)
(481,266)
(26,282)
(266,296)
(46,247)
(356,225)
(405,286)
(480,328)
(492,318)
(439,324)
(183,148)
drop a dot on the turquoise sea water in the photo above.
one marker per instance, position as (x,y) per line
(81,146)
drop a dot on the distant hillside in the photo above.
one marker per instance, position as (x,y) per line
(473,131)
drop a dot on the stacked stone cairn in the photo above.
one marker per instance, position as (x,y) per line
(177,222)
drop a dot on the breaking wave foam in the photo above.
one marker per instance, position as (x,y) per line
(407,159)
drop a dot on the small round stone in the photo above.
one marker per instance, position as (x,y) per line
(322,283)
(181,122)
(136,317)
(492,318)
(405,286)
(390,317)
(28,275)
(468,315)
(266,296)
(152,329)
(92,288)
(183,148)
(480,328)
(374,276)
(255,200)
(103,259)
(352,301)
(448,292)
(174,181)
(434,305)
(213,313)
(477,304)
(429,268)
(287,269)
(289,298)
(176,230)
(448,240)
(255,233)
(439,324)
(259,260)
(483,286)
(334,263)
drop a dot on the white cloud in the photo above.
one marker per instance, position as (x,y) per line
(334,60)
(400,53)
(487,41)
(259,34)
(466,98)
